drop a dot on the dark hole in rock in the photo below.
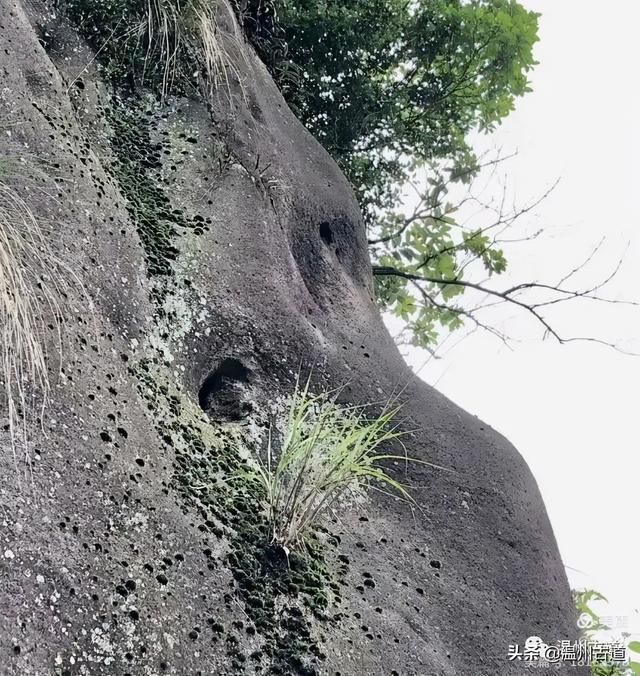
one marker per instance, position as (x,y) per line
(223,394)
(275,559)
(326,233)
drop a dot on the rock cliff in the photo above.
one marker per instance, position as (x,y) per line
(201,249)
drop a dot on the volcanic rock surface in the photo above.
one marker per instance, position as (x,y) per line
(215,251)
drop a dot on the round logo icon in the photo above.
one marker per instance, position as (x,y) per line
(585,621)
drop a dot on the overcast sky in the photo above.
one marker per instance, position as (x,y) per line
(573,410)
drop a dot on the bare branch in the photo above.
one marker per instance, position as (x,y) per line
(487,219)
(510,295)
(460,311)
(426,208)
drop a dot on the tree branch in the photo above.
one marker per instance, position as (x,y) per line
(509,296)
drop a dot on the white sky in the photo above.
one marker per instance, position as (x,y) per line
(573,410)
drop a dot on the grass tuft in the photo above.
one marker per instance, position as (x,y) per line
(328,451)
(181,36)
(172,45)
(164,35)
(217,58)
(32,280)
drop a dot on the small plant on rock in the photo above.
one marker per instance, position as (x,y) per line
(591,625)
(328,451)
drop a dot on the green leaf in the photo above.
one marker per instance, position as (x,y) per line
(394,91)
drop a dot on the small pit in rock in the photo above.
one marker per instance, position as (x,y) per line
(224,394)
(326,234)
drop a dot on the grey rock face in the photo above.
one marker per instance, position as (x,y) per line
(223,252)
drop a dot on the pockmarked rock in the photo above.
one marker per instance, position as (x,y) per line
(208,251)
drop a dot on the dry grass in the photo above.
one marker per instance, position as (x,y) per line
(32,282)
(164,35)
(218,60)
(171,29)
(176,37)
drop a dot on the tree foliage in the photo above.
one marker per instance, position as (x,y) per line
(387,84)
(590,623)
(393,89)
(396,90)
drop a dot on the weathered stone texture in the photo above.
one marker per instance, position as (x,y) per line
(205,233)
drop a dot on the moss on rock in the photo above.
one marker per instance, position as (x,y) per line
(279,594)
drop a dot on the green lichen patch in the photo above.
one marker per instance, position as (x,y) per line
(279,593)
(137,168)
(137,162)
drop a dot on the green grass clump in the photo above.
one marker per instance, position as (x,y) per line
(328,451)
